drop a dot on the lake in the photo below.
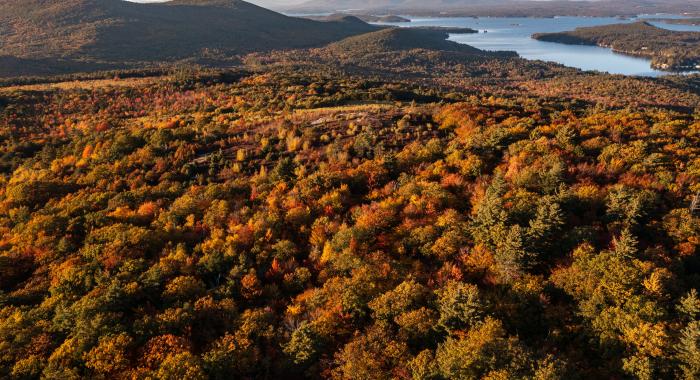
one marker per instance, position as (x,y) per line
(513,33)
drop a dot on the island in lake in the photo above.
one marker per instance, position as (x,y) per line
(447,29)
(667,49)
(694,21)
(363,17)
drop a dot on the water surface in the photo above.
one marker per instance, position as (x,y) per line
(513,33)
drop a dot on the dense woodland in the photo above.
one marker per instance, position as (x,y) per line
(423,59)
(388,206)
(341,222)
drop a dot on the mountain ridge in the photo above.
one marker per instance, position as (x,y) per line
(115,31)
(502,8)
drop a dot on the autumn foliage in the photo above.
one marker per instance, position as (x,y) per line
(295,226)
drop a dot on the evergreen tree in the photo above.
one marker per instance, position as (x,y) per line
(459,305)
(688,351)
(511,256)
(544,231)
(625,245)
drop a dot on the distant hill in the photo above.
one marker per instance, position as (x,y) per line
(695,21)
(402,53)
(115,32)
(514,8)
(362,17)
(398,39)
(669,50)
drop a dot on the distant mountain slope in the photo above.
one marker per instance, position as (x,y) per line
(403,53)
(398,39)
(362,17)
(515,8)
(119,31)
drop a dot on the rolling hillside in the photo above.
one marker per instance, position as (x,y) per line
(313,224)
(117,32)
(398,39)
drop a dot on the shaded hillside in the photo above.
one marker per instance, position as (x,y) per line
(14,67)
(414,56)
(119,31)
(411,53)
(668,49)
(418,57)
(396,39)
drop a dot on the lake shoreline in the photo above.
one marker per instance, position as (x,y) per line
(515,34)
(668,50)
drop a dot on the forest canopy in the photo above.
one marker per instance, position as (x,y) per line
(300,223)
